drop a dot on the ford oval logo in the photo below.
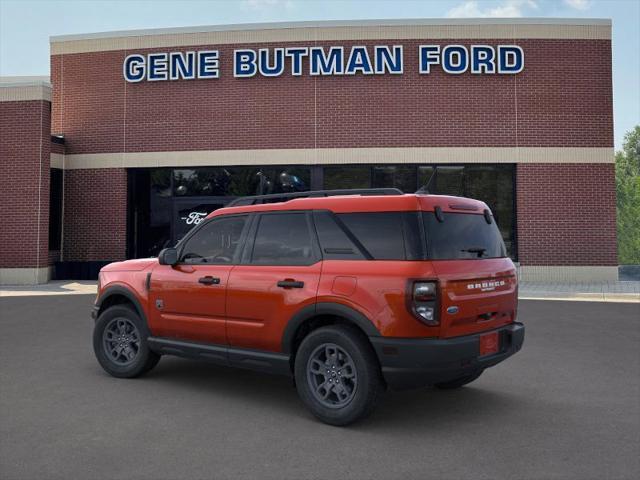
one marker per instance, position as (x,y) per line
(452,310)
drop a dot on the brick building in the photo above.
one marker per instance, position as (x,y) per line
(140,134)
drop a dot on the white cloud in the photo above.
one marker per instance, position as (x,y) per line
(508,8)
(578,4)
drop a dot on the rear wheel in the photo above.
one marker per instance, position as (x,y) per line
(120,343)
(459,382)
(337,375)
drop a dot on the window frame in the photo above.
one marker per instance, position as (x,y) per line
(194,231)
(247,253)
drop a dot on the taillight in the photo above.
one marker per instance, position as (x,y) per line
(424,296)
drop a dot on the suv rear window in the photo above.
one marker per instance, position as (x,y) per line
(462,236)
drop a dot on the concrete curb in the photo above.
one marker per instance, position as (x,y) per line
(585,297)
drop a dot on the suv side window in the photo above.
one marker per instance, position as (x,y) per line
(381,233)
(334,240)
(283,239)
(216,242)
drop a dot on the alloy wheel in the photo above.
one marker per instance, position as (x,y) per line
(331,374)
(121,340)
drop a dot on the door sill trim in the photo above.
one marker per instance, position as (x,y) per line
(259,360)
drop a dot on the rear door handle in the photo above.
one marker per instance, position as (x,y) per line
(209,280)
(290,284)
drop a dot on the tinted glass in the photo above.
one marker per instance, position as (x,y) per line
(239,181)
(156,214)
(462,236)
(396,176)
(55,209)
(345,176)
(283,239)
(450,181)
(426,179)
(215,243)
(334,241)
(380,233)
(493,184)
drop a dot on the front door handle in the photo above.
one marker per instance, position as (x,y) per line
(290,284)
(209,280)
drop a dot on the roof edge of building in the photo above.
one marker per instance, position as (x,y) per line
(25,89)
(333,24)
(25,81)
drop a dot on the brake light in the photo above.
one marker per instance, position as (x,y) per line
(424,297)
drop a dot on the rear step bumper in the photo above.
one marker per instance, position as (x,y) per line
(413,363)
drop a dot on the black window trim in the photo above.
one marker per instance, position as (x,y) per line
(413,216)
(236,256)
(247,253)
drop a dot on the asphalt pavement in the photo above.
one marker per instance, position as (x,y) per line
(566,406)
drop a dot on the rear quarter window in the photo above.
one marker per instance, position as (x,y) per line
(381,234)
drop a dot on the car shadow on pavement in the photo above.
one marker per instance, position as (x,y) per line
(417,410)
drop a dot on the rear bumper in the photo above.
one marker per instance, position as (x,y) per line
(412,363)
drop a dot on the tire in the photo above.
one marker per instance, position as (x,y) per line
(458,382)
(123,324)
(342,355)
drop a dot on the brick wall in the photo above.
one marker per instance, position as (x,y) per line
(24,196)
(95,214)
(562,98)
(57,148)
(566,214)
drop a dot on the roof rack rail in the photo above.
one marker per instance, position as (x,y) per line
(283,197)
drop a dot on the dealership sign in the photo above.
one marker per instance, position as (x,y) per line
(325,61)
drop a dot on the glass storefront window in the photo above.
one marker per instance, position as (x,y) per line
(347,176)
(239,181)
(55,209)
(167,202)
(396,176)
(493,184)
(449,181)
(426,178)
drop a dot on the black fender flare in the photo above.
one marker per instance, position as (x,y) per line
(325,308)
(124,292)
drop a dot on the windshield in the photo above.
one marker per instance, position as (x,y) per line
(462,236)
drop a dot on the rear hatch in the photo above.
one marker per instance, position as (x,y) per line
(477,281)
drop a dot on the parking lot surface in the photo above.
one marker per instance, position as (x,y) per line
(566,406)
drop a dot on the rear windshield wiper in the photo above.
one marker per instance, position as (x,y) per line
(477,250)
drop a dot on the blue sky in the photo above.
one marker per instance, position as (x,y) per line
(25,26)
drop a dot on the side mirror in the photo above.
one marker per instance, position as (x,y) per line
(168,256)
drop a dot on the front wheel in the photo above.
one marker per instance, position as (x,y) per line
(337,375)
(120,343)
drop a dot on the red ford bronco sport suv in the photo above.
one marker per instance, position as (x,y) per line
(349,292)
